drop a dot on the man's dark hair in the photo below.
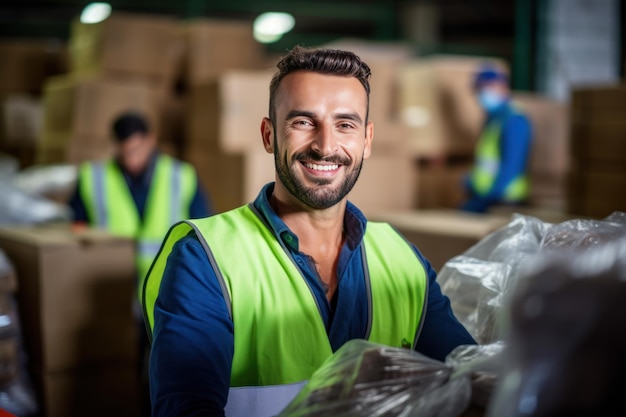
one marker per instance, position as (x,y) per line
(127,124)
(323,61)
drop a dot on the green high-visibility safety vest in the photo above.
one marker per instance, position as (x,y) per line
(110,205)
(487,164)
(279,335)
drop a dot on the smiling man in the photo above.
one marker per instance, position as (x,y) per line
(244,306)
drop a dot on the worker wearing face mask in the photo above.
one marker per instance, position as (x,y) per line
(499,175)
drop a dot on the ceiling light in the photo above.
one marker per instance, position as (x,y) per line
(95,12)
(270,27)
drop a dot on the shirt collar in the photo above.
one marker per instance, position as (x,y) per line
(354,221)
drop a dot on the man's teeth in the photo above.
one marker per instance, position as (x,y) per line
(321,167)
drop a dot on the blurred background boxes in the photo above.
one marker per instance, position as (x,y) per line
(232,179)
(597,177)
(75,295)
(75,303)
(213,46)
(26,63)
(128,45)
(549,159)
(102,392)
(21,120)
(224,113)
(437,104)
(387,182)
(78,112)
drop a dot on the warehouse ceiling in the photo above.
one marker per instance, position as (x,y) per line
(478,24)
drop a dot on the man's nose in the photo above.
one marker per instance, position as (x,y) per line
(325,141)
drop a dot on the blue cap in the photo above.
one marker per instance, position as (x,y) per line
(489,73)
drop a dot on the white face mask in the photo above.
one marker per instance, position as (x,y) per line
(490,100)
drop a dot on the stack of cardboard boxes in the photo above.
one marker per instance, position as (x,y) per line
(128,62)
(24,67)
(75,295)
(597,179)
(549,159)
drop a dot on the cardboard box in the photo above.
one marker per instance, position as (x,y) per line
(440,183)
(23,66)
(231,180)
(599,141)
(77,151)
(97,392)
(550,125)
(225,114)
(171,126)
(599,104)
(88,105)
(214,46)
(75,295)
(149,46)
(438,105)
(442,234)
(596,193)
(21,119)
(387,182)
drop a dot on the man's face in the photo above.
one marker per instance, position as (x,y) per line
(320,137)
(491,95)
(134,153)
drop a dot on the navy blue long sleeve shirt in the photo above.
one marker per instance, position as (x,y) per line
(193,342)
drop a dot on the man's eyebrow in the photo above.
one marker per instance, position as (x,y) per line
(300,113)
(350,116)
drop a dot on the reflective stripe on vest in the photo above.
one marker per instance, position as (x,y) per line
(110,204)
(98,182)
(270,350)
(487,165)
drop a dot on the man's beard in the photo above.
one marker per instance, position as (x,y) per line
(319,196)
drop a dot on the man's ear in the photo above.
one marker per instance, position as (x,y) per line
(267,133)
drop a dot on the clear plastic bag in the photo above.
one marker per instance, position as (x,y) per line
(367,379)
(566,345)
(47,180)
(480,282)
(23,205)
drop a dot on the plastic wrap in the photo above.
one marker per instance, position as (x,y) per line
(367,379)
(19,206)
(566,345)
(47,180)
(480,281)
(16,391)
(8,167)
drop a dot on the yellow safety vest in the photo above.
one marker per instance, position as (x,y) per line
(110,205)
(280,337)
(487,164)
